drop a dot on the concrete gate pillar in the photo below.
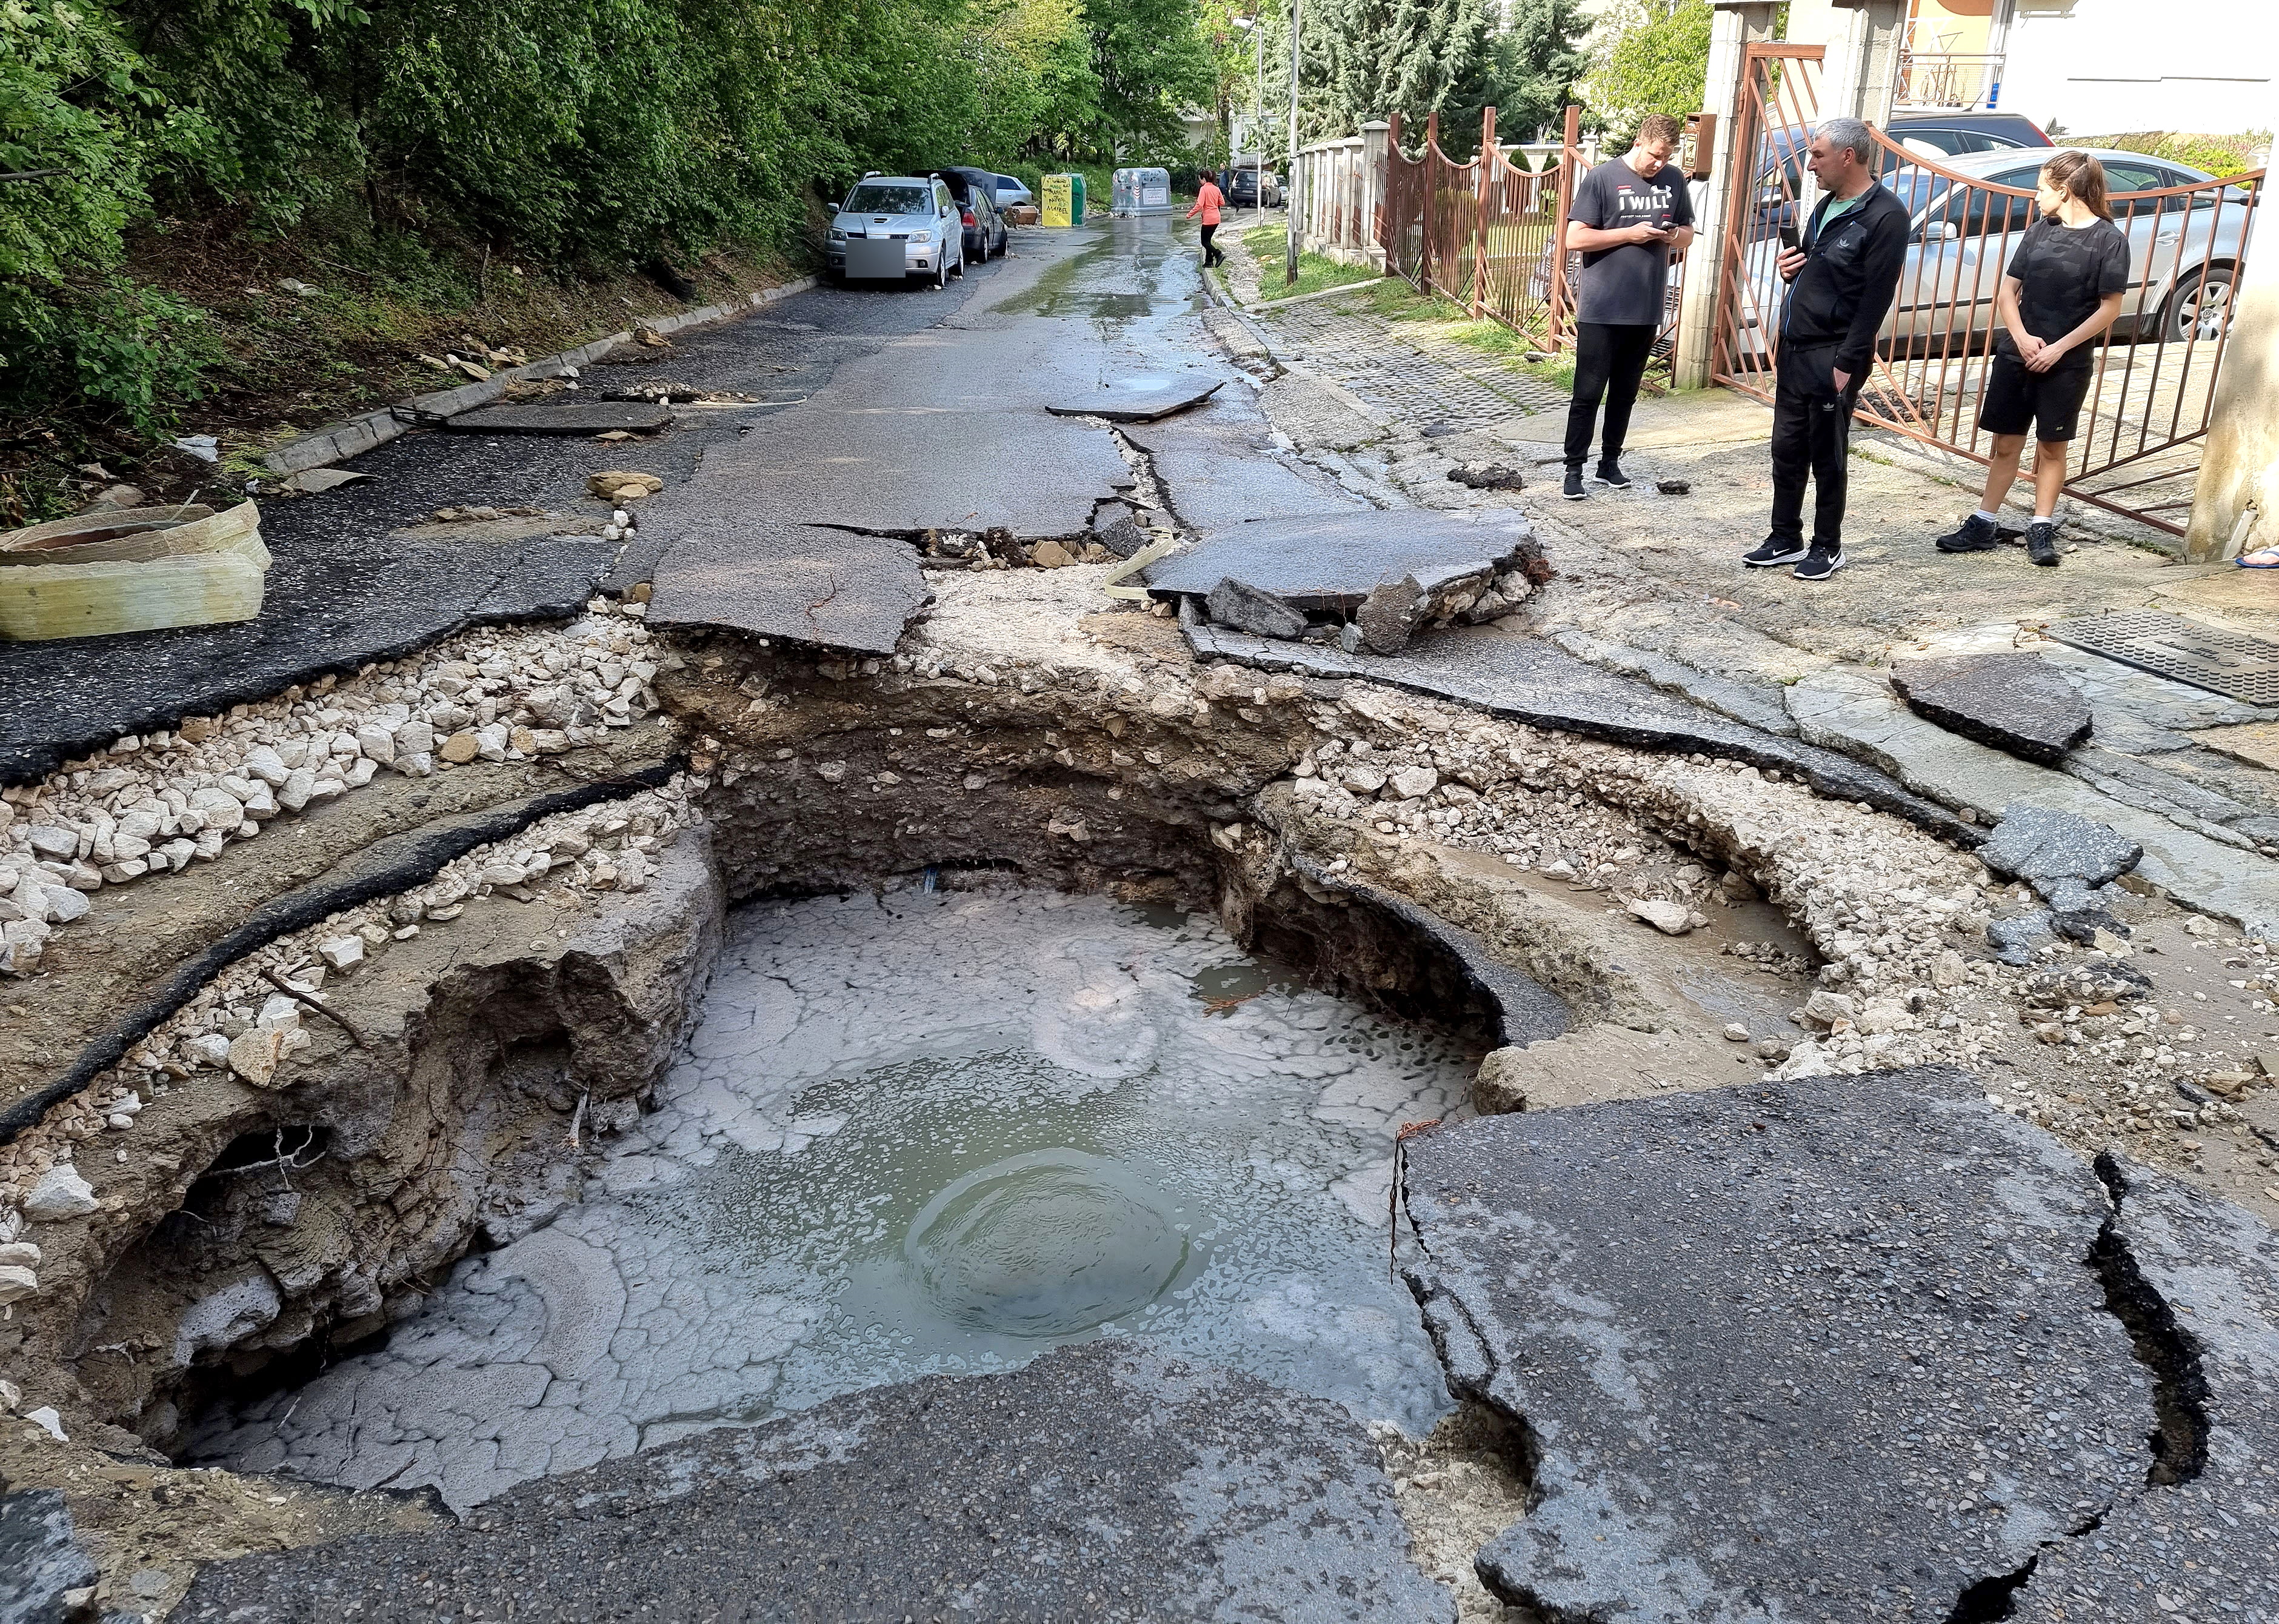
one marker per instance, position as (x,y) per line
(1373,136)
(2236,502)
(1860,75)
(1735,25)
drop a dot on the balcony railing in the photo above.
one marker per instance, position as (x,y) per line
(1945,79)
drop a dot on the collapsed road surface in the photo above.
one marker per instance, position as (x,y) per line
(984,1009)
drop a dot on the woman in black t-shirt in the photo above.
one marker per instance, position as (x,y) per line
(2061,291)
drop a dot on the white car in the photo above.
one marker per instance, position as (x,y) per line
(895,226)
(2183,251)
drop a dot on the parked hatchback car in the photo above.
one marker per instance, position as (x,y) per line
(2183,251)
(1944,134)
(986,236)
(893,226)
(1242,189)
(1010,191)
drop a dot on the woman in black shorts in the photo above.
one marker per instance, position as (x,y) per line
(2061,291)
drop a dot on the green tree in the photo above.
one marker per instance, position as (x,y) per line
(1655,60)
(1540,63)
(1411,57)
(1152,65)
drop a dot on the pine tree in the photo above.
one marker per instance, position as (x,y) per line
(1540,63)
(1410,57)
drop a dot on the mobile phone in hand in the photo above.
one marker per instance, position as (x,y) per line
(1788,237)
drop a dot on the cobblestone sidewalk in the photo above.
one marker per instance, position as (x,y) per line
(1423,381)
(1403,369)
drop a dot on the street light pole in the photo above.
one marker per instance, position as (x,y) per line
(1289,175)
(1258,117)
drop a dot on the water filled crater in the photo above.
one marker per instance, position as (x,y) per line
(917,1132)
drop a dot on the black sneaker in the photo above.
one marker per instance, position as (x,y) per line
(1975,534)
(1820,563)
(1610,475)
(1774,551)
(2042,542)
(1573,489)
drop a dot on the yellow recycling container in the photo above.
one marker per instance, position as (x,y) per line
(1063,203)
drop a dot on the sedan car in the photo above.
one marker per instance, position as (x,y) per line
(2182,250)
(1010,191)
(895,226)
(985,234)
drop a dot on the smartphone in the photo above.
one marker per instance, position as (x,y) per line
(1788,237)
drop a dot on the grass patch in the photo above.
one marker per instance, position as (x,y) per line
(1268,244)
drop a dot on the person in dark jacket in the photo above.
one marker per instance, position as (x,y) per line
(1841,280)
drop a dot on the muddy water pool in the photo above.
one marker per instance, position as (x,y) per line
(913,1133)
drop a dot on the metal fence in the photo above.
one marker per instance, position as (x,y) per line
(1485,233)
(2137,448)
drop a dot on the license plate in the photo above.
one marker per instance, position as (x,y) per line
(876,256)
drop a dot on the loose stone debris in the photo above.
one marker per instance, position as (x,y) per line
(1388,575)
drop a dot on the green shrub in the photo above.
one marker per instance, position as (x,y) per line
(2216,154)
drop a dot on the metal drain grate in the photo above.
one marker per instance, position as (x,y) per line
(2225,662)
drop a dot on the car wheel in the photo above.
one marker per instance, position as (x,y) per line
(941,272)
(2202,301)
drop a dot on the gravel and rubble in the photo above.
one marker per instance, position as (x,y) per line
(152,805)
(250,1022)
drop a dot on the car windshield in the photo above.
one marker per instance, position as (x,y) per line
(872,198)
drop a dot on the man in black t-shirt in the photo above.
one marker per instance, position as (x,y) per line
(2061,291)
(1627,219)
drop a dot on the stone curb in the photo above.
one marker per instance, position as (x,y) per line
(383,870)
(366,430)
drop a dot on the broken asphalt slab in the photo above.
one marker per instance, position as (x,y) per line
(327,608)
(830,588)
(1526,680)
(1843,710)
(1100,1481)
(1829,1348)
(564,418)
(2018,702)
(2047,849)
(2201,1278)
(1120,403)
(891,469)
(1335,560)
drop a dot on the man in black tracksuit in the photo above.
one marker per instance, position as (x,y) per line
(1841,282)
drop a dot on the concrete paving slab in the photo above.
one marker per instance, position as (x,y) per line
(807,585)
(564,418)
(1102,1482)
(1146,404)
(1815,1350)
(1334,561)
(2018,702)
(2195,1543)
(1530,681)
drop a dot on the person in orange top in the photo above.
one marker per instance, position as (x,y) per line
(1209,201)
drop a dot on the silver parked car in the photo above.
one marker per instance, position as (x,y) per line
(893,227)
(2183,251)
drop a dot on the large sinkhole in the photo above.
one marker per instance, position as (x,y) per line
(921,1130)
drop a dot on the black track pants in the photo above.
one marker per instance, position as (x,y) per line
(1211,255)
(1608,361)
(1812,437)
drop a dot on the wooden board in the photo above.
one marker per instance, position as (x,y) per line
(564,418)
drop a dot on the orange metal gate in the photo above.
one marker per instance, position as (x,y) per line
(2137,449)
(1485,232)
